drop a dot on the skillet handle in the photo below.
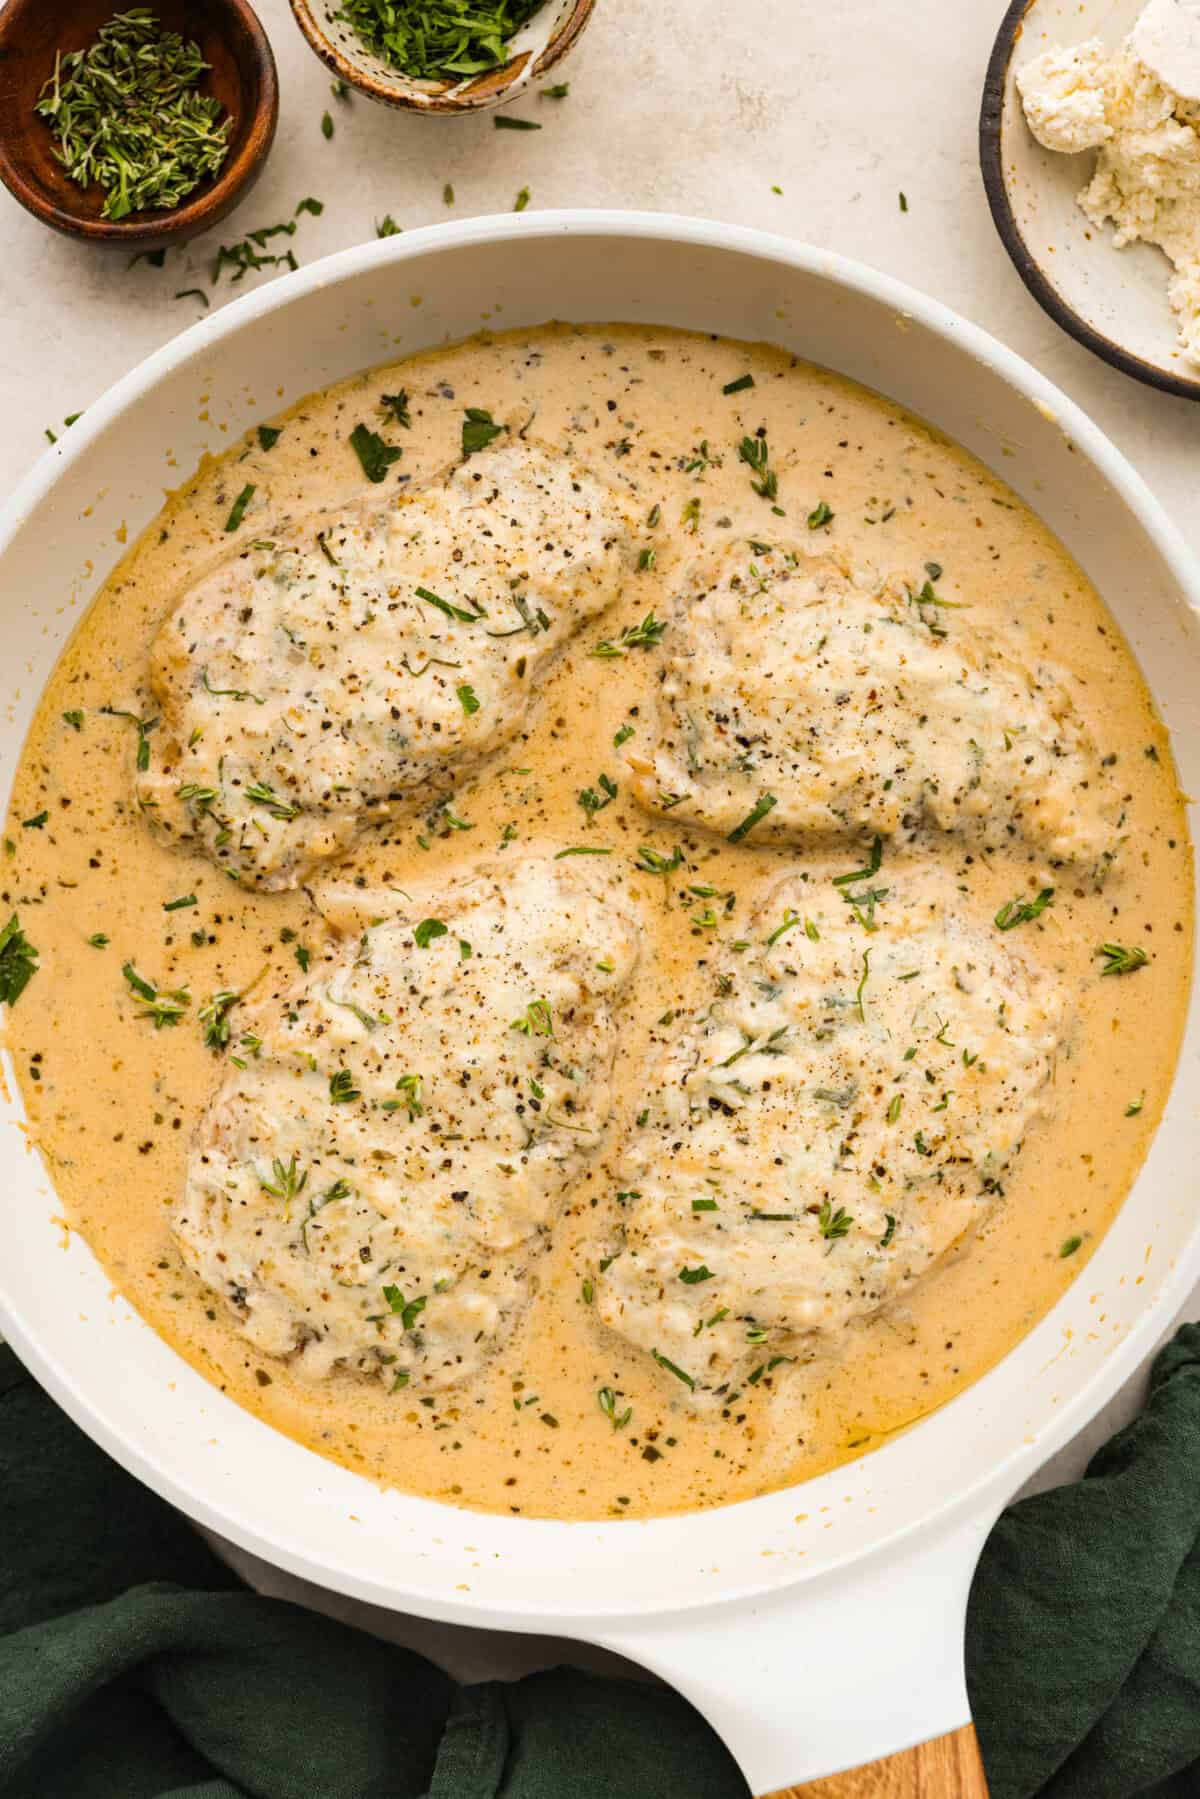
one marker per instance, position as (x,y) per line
(832,1672)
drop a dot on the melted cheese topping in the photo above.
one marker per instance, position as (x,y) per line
(560,1414)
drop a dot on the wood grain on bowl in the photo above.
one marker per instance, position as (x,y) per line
(241,76)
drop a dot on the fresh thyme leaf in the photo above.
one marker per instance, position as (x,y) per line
(181,904)
(438,40)
(193,293)
(268,436)
(375,456)
(1069,1247)
(36,823)
(427,930)
(1014,911)
(503,122)
(890,1231)
(468,699)
(447,606)
(622,736)
(739,386)
(831,1224)
(756,454)
(263,795)
(238,510)
(522,199)
(448,194)
(633,637)
(820,515)
(607,1401)
(341,1087)
(125,114)
(218,693)
(651,862)
(692,1277)
(98,940)
(479,429)
(287,1180)
(864,874)
(18,961)
(672,1368)
(753,817)
(166,1007)
(407,1310)
(536,1021)
(1135,1106)
(387,226)
(214,1016)
(144,728)
(74,719)
(395,407)
(308,204)
(1118,960)
(559,91)
(327,125)
(303,957)
(582,849)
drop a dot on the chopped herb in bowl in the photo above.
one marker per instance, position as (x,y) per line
(439,40)
(125,114)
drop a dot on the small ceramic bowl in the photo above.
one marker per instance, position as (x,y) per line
(536,49)
(1113,301)
(241,76)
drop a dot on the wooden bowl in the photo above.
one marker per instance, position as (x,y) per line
(538,47)
(1114,302)
(241,76)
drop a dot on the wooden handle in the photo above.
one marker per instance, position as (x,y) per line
(947,1768)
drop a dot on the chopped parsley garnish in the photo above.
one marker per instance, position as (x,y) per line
(1069,1247)
(18,961)
(753,817)
(467,699)
(308,204)
(74,719)
(268,436)
(692,1277)
(341,1087)
(1119,960)
(479,430)
(607,1400)
(738,386)
(303,956)
(411,1087)
(820,515)
(407,1310)
(438,40)
(237,511)
(672,1368)
(1014,911)
(375,456)
(166,1007)
(427,930)
(593,801)
(633,637)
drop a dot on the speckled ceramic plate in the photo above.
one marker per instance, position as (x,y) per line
(1114,301)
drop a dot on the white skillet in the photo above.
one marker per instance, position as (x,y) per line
(816,1627)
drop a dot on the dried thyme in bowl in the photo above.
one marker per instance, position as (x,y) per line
(125,113)
(439,40)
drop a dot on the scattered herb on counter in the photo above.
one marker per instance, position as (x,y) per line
(503,122)
(395,407)
(375,456)
(18,961)
(341,91)
(327,125)
(1014,912)
(522,199)
(387,226)
(193,293)
(479,430)
(903,201)
(439,40)
(633,637)
(308,204)
(237,511)
(165,1007)
(559,91)
(448,194)
(1119,960)
(155,258)
(125,114)
(268,436)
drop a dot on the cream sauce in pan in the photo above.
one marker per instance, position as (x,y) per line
(113,1102)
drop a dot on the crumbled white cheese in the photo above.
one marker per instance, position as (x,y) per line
(1147,176)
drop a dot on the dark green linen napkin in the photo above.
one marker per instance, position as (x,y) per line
(134,1665)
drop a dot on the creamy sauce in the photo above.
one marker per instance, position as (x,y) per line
(113,1102)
